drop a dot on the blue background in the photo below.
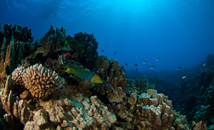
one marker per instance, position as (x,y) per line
(178,32)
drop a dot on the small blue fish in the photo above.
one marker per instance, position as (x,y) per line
(114,103)
(143,107)
(109,97)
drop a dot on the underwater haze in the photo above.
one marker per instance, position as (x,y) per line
(178,32)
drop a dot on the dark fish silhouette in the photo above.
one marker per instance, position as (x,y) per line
(179,68)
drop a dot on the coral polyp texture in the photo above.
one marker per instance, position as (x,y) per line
(37,92)
(41,82)
(17,75)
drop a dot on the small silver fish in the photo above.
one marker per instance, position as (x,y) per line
(144,62)
(183,77)
(152,67)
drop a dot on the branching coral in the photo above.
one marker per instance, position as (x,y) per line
(199,126)
(111,72)
(89,114)
(154,111)
(94,113)
(41,82)
(20,33)
(52,41)
(13,106)
(17,76)
(85,51)
(15,43)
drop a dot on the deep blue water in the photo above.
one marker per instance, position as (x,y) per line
(178,32)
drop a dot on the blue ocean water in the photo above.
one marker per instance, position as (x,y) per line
(178,32)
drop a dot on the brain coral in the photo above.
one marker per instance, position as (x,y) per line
(41,82)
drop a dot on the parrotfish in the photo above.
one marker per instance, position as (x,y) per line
(85,74)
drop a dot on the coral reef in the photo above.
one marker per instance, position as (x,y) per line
(199,126)
(22,34)
(62,113)
(194,96)
(143,85)
(55,45)
(37,93)
(16,44)
(209,61)
(205,111)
